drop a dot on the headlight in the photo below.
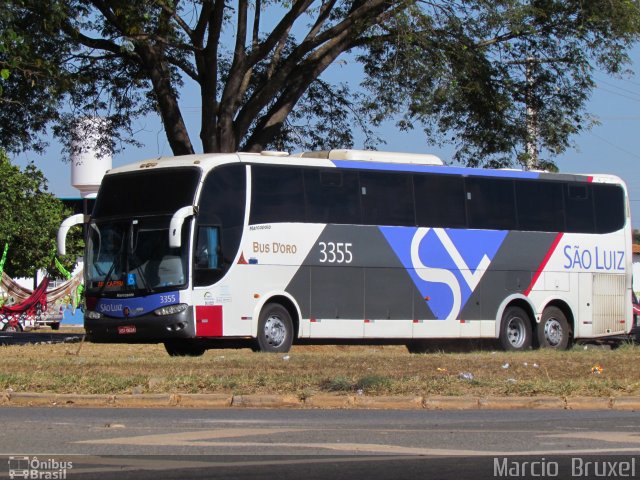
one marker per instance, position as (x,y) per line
(171,309)
(92,315)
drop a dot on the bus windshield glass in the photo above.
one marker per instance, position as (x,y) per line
(146,192)
(134,256)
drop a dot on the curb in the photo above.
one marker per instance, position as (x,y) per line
(320,401)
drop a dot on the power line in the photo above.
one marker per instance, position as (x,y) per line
(635,99)
(633,92)
(619,117)
(630,81)
(615,146)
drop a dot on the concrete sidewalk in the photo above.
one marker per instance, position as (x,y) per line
(323,401)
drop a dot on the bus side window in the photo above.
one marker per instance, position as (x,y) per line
(579,208)
(491,203)
(332,196)
(208,248)
(609,207)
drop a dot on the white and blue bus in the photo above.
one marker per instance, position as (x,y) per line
(266,250)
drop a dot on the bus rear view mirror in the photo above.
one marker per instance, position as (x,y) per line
(69,222)
(175,227)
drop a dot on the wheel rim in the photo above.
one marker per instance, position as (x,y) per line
(275,330)
(516,332)
(553,333)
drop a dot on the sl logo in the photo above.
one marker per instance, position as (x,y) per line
(446,265)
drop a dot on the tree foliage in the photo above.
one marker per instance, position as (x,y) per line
(491,77)
(30,220)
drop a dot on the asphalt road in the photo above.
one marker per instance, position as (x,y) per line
(318,444)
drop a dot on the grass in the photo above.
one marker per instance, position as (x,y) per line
(308,370)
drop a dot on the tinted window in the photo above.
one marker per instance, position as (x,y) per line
(387,199)
(490,203)
(579,208)
(540,206)
(277,194)
(160,191)
(220,218)
(223,196)
(332,196)
(609,207)
(439,201)
(208,266)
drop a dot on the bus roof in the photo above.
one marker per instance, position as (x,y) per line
(353,159)
(375,156)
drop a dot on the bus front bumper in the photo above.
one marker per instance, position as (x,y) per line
(148,328)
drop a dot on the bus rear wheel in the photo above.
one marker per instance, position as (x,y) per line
(275,329)
(515,330)
(554,330)
(184,348)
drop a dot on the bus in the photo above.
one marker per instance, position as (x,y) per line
(344,246)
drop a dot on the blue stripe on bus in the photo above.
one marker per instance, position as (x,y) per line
(115,307)
(403,167)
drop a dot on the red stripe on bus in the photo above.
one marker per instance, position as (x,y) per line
(555,243)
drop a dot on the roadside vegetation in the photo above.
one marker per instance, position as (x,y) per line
(310,370)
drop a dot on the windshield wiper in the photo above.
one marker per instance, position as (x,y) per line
(144,280)
(116,262)
(132,246)
(108,276)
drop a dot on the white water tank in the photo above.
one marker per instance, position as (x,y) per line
(89,160)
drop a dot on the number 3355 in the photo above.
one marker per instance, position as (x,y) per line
(331,252)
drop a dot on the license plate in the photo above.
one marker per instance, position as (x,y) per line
(127,329)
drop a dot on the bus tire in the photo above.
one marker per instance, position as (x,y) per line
(184,348)
(515,329)
(554,330)
(275,329)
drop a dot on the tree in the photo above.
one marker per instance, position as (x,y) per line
(32,81)
(498,79)
(30,220)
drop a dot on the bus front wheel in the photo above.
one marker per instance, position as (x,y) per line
(275,329)
(515,330)
(554,330)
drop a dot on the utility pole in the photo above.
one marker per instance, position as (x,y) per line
(531,109)
(531,118)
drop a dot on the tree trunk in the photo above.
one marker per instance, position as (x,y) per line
(160,75)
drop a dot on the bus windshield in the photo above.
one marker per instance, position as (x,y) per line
(148,192)
(134,256)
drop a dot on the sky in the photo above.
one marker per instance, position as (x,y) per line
(611,147)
